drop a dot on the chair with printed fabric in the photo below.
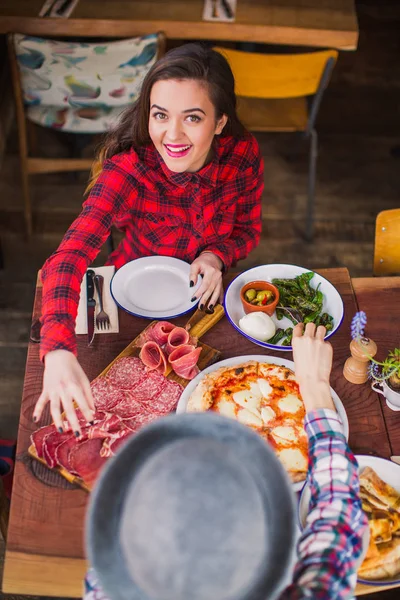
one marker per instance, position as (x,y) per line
(283,92)
(74,87)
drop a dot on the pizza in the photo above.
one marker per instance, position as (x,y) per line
(381,503)
(264,397)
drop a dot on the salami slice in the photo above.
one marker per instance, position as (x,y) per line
(184,359)
(129,406)
(126,372)
(153,357)
(38,436)
(85,460)
(148,389)
(135,423)
(106,395)
(165,399)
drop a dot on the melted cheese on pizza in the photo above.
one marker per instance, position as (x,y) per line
(265,397)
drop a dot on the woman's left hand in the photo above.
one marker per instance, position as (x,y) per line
(208,265)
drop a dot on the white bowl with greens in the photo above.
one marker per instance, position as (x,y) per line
(304,296)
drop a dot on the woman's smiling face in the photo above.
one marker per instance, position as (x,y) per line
(182,123)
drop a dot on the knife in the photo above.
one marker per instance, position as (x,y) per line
(90,304)
(395,459)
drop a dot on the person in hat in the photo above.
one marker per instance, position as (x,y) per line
(181,177)
(198,507)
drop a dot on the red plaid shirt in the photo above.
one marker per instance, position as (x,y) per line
(217,209)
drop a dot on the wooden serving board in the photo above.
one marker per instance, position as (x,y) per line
(197,325)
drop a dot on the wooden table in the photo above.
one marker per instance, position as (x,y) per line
(45,539)
(326,23)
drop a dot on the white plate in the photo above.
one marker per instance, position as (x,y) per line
(333,303)
(154,287)
(237,360)
(389,472)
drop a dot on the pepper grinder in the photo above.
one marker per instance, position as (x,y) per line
(356,366)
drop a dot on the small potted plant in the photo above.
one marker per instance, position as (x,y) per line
(385,374)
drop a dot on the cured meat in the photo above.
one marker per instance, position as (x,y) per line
(112,443)
(129,406)
(51,443)
(102,429)
(178,337)
(149,387)
(153,357)
(63,453)
(143,418)
(166,400)
(106,395)
(38,436)
(85,460)
(126,372)
(158,333)
(184,361)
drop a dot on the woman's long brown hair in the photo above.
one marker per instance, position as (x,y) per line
(190,61)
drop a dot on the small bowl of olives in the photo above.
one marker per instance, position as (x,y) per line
(259,296)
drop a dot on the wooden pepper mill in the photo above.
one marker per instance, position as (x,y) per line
(356,366)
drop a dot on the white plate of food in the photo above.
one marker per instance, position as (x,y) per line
(154,287)
(329,302)
(380,494)
(243,387)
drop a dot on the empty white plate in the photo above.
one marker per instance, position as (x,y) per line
(154,287)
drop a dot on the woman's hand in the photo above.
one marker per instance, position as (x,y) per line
(210,266)
(64,382)
(313,365)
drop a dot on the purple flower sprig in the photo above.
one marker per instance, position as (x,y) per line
(358,325)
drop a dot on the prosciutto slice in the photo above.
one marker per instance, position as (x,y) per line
(184,359)
(158,333)
(153,357)
(178,337)
(51,443)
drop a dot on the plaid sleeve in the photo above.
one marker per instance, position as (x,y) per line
(247,229)
(331,543)
(63,272)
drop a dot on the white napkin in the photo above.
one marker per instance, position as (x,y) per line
(109,305)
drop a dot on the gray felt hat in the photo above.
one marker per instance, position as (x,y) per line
(193,507)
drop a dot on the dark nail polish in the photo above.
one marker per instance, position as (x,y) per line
(35,419)
(191,283)
(211,307)
(60,430)
(194,299)
(77,434)
(201,306)
(91,422)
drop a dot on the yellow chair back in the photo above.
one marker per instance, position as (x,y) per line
(276,75)
(387,243)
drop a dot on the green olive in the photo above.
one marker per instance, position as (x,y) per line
(250,295)
(261,295)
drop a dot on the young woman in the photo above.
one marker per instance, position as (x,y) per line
(180,177)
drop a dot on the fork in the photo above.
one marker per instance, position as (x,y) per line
(102,319)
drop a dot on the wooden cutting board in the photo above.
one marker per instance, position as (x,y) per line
(197,325)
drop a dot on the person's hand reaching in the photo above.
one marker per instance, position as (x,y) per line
(210,266)
(313,364)
(65,382)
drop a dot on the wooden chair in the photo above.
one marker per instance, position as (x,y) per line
(76,98)
(283,92)
(387,243)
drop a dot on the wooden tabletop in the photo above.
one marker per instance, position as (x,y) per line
(326,23)
(45,553)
